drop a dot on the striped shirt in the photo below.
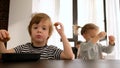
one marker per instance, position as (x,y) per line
(46,52)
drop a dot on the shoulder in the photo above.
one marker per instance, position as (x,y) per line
(84,43)
(52,47)
(99,44)
(24,45)
(27,43)
(87,43)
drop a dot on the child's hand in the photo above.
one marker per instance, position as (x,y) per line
(4,36)
(111,39)
(59,27)
(101,35)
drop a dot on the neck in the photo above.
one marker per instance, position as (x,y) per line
(39,44)
(87,39)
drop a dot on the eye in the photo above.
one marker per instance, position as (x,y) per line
(35,27)
(44,28)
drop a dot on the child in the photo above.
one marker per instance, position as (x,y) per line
(40,30)
(90,49)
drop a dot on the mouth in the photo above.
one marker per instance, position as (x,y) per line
(38,36)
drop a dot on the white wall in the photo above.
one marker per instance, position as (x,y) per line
(19,17)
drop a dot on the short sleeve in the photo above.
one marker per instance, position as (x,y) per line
(18,49)
(56,52)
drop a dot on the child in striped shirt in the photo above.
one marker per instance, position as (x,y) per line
(40,30)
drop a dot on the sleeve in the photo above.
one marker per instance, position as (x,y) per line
(18,49)
(86,46)
(56,52)
(107,49)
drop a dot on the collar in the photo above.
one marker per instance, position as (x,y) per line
(38,47)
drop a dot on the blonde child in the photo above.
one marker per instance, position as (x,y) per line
(40,30)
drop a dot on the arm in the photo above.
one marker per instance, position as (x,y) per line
(4,37)
(67,52)
(92,42)
(109,49)
(98,37)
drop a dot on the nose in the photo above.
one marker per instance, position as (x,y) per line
(39,30)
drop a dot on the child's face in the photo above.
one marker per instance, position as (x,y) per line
(40,32)
(91,33)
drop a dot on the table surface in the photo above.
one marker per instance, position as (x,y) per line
(77,63)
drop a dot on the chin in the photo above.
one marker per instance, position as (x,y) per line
(38,40)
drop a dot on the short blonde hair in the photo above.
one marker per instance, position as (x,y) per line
(36,20)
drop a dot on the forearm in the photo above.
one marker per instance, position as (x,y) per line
(67,47)
(2,47)
(107,49)
(98,37)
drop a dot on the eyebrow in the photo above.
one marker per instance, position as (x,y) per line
(42,25)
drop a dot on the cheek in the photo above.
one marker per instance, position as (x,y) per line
(93,35)
(33,33)
(46,34)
